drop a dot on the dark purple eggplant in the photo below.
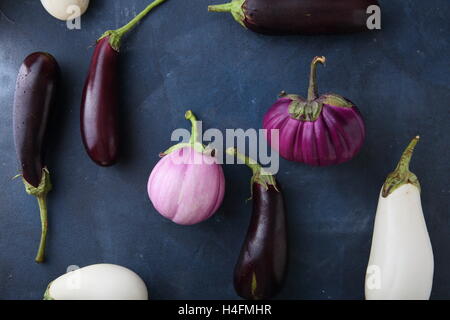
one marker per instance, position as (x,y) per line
(261,267)
(100,99)
(34,99)
(99,106)
(299,16)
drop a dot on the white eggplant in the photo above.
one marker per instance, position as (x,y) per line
(401,263)
(65,9)
(98,282)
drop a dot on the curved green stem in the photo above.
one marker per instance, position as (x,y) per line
(310,109)
(194,141)
(42,201)
(40,192)
(401,174)
(226,7)
(115,36)
(313,90)
(260,176)
(189,115)
(249,162)
(235,7)
(405,160)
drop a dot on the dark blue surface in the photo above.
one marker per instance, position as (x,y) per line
(183,57)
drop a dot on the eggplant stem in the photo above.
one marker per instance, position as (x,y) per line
(313,90)
(130,25)
(226,7)
(40,192)
(115,36)
(235,7)
(402,175)
(194,130)
(405,160)
(42,201)
(249,162)
(194,141)
(260,176)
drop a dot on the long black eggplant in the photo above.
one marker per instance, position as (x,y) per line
(34,99)
(261,267)
(299,16)
(100,98)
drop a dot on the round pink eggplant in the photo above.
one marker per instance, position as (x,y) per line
(187,185)
(320,130)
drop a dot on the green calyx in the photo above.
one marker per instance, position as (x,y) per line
(304,110)
(310,109)
(235,7)
(260,176)
(115,36)
(335,100)
(44,186)
(115,39)
(41,195)
(194,141)
(401,174)
(47,295)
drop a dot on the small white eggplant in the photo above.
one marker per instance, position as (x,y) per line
(98,282)
(65,9)
(401,263)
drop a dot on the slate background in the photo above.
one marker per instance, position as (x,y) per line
(182,57)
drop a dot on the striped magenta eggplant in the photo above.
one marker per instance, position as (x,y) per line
(187,185)
(34,101)
(261,267)
(299,16)
(320,130)
(100,99)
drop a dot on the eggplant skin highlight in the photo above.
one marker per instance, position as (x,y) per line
(284,17)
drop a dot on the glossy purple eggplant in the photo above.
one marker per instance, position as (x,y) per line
(33,102)
(261,267)
(319,130)
(100,99)
(100,104)
(299,16)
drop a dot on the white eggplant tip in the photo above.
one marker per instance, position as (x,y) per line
(98,282)
(65,9)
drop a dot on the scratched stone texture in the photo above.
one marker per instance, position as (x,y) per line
(183,57)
